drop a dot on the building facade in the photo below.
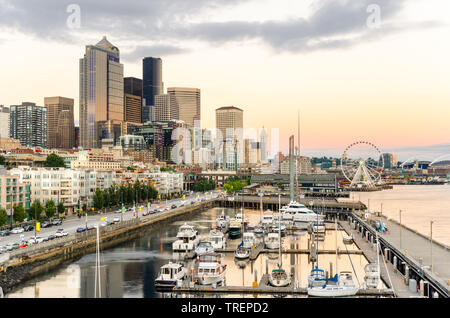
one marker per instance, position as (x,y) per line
(101,93)
(152,84)
(4,122)
(13,192)
(230,122)
(184,104)
(28,123)
(162,108)
(60,122)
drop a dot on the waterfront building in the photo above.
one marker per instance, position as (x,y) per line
(4,122)
(60,122)
(101,94)
(311,182)
(184,104)
(28,123)
(13,192)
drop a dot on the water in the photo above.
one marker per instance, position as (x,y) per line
(419,205)
(130,269)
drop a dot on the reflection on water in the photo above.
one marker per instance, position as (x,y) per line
(130,269)
(419,205)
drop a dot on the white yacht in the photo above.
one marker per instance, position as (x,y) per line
(372,277)
(204,247)
(342,286)
(210,270)
(187,240)
(242,253)
(267,220)
(249,240)
(297,212)
(217,239)
(169,274)
(272,241)
(223,222)
(240,218)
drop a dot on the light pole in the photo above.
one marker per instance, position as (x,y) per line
(400,230)
(431,245)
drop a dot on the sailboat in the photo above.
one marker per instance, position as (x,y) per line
(372,278)
(279,277)
(341,285)
(223,222)
(242,252)
(317,275)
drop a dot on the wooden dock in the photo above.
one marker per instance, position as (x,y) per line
(294,251)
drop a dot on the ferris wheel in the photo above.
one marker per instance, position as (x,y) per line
(362,164)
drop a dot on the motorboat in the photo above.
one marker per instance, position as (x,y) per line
(267,220)
(347,239)
(317,227)
(279,278)
(210,270)
(217,240)
(259,230)
(187,240)
(242,252)
(279,226)
(272,241)
(204,247)
(235,230)
(372,277)
(223,222)
(240,217)
(297,212)
(169,274)
(342,286)
(249,240)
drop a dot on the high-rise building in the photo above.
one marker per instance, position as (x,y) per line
(76,137)
(133,109)
(184,104)
(101,94)
(390,160)
(152,84)
(162,107)
(4,122)
(60,122)
(28,123)
(230,118)
(133,86)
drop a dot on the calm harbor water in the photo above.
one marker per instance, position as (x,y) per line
(419,205)
(130,269)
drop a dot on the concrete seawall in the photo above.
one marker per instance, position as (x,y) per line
(29,262)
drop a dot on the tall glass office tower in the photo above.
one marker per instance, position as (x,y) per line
(151,83)
(101,94)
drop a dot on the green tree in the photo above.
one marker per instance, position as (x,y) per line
(54,161)
(36,209)
(3,217)
(2,160)
(61,208)
(50,208)
(280,185)
(19,213)
(98,199)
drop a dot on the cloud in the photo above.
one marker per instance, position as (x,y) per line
(157,23)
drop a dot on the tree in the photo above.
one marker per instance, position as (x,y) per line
(2,160)
(19,213)
(61,208)
(50,208)
(3,217)
(54,161)
(280,185)
(36,209)
(98,199)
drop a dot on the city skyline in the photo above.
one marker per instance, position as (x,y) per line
(389,88)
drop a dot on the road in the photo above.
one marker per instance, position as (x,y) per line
(71,223)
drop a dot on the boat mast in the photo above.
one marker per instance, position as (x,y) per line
(280,261)
(335,219)
(317,237)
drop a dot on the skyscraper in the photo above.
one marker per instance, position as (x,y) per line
(184,104)
(133,100)
(162,107)
(101,94)
(28,123)
(152,84)
(133,86)
(60,124)
(230,117)
(4,122)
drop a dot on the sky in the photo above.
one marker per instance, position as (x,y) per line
(372,70)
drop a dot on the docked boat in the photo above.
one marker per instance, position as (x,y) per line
(267,220)
(240,217)
(279,227)
(272,241)
(297,212)
(223,222)
(372,275)
(217,240)
(342,286)
(249,240)
(242,253)
(169,274)
(235,230)
(204,247)
(347,239)
(279,277)
(316,277)
(317,227)
(210,270)
(187,240)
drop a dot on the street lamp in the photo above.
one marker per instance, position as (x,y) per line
(431,244)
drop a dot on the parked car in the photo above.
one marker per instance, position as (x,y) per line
(2,249)
(28,228)
(57,222)
(103,224)
(61,233)
(81,229)
(51,237)
(90,227)
(46,224)
(17,230)
(145,213)
(118,211)
(23,244)
(35,240)
(12,246)
(174,206)
(5,233)
(116,219)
